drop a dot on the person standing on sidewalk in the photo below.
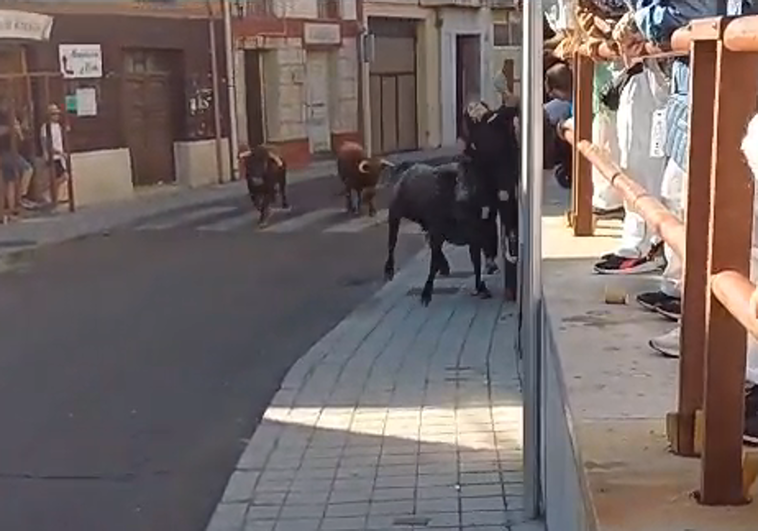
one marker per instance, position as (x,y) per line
(16,170)
(51,138)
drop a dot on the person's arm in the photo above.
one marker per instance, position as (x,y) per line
(658,19)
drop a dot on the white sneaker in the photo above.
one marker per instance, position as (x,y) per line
(668,344)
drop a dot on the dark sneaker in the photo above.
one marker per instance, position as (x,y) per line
(610,213)
(659,302)
(750,433)
(619,265)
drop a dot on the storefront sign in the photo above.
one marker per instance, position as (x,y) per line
(79,61)
(26,26)
(321,34)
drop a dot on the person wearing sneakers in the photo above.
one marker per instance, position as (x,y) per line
(642,97)
(657,20)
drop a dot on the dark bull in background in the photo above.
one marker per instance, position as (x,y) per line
(264,171)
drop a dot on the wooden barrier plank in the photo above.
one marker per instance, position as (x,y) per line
(582,220)
(730,238)
(702,96)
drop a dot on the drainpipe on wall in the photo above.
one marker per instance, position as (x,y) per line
(232,92)
(216,92)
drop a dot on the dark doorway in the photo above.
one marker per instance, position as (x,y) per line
(254,98)
(149,114)
(467,74)
(392,86)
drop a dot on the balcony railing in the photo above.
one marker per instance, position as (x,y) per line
(714,240)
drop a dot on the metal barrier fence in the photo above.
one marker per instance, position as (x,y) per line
(714,242)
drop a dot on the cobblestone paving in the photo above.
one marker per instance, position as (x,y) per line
(402,417)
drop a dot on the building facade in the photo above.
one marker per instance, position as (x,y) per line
(143,113)
(427,59)
(297,83)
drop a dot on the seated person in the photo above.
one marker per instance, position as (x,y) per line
(558,84)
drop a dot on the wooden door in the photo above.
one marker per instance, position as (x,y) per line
(392,86)
(148,127)
(254,98)
(319,131)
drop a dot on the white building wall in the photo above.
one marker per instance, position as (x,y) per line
(284,91)
(344,88)
(459,21)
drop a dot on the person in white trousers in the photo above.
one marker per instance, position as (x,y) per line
(641,109)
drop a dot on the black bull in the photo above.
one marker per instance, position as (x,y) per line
(457,202)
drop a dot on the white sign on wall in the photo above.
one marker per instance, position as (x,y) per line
(322,34)
(24,25)
(80,61)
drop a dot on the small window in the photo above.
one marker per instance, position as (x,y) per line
(259,7)
(508,32)
(328,8)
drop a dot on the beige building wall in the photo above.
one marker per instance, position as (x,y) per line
(427,68)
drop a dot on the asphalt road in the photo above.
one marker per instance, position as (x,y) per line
(135,364)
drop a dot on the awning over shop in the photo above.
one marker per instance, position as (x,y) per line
(25,26)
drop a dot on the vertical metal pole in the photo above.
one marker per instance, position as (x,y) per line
(216,92)
(231,81)
(531,185)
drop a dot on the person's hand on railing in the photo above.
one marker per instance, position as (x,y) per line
(753,304)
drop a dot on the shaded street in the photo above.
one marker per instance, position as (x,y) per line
(132,363)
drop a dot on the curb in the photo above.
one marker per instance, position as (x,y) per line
(73,226)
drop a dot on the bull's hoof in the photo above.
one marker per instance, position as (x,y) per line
(389,272)
(426,295)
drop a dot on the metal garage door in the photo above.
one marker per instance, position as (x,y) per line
(392,86)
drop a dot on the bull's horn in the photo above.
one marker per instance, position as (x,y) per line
(276,158)
(387,163)
(363,166)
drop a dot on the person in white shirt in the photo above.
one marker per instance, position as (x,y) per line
(53,149)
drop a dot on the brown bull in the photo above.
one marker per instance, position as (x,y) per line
(359,174)
(264,171)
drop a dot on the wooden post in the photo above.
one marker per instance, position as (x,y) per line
(582,221)
(730,236)
(65,128)
(702,96)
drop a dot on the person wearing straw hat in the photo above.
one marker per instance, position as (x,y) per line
(51,137)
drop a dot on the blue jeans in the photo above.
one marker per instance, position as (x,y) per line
(13,166)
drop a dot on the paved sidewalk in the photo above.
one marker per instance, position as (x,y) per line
(402,417)
(44,230)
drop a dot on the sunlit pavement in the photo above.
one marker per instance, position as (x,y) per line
(402,417)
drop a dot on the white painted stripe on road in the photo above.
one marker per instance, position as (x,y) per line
(188,217)
(302,221)
(245,219)
(361,223)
